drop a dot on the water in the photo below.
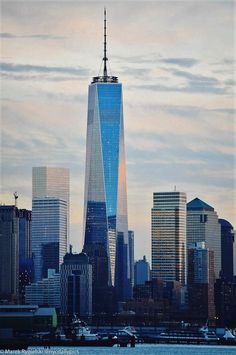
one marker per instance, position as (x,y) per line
(140,349)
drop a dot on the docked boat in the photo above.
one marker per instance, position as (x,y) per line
(188,336)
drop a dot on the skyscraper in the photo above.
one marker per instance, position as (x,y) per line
(50,218)
(169,236)
(49,235)
(141,271)
(9,252)
(25,252)
(203,226)
(131,256)
(201,282)
(76,285)
(52,182)
(227,249)
(105,204)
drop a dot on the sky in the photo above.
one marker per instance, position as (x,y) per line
(175,60)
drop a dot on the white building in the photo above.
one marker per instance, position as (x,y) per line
(203,226)
(44,292)
(169,236)
(50,218)
(49,235)
(51,182)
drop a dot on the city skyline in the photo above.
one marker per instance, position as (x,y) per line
(177,91)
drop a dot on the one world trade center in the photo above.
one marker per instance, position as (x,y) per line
(105,203)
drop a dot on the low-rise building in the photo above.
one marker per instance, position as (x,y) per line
(25,318)
(45,292)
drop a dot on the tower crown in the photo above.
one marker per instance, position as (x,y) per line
(105,78)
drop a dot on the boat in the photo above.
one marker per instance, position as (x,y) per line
(188,336)
(78,334)
(228,338)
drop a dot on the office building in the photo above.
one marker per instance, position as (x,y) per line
(49,234)
(225,302)
(52,182)
(169,236)
(25,252)
(9,253)
(105,205)
(141,271)
(227,250)
(76,285)
(131,256)
(203,226)
(201,282)
(45,292)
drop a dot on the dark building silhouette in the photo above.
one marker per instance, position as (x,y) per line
(131,256)
(103,295)
(76,285)
(227,249)
(153,289)
(49,257)
(141,271)
(25,252)
(9,253)
(201,283)
(225,301)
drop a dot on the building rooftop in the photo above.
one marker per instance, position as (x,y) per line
(225,223)
(80,258)
(45,311)
(198,204)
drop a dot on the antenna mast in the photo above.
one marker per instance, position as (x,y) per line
(15,197)
(105,78)
(105,45)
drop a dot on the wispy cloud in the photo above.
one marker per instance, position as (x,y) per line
(158,58)
(191,88)
(27,68)
(35,36)
(182,62)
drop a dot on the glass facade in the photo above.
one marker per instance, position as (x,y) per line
(105,207)
(169,236)
(49,234)
(203,226)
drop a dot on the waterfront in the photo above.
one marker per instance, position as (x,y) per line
(140,349)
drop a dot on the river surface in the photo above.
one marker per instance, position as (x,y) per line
(140,349)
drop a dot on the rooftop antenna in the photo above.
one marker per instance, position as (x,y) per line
(105,59)
(15,197)
(175,188)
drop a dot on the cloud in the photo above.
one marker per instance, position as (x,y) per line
(155,58)
(191,88)
(182,62)
(195,77)
(28,68)
(36,36)
(191,83)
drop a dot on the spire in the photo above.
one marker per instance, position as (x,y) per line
(105,45)
(105,78)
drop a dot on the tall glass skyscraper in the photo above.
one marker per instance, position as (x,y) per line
(50,218)
(105,205)
(169,236)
